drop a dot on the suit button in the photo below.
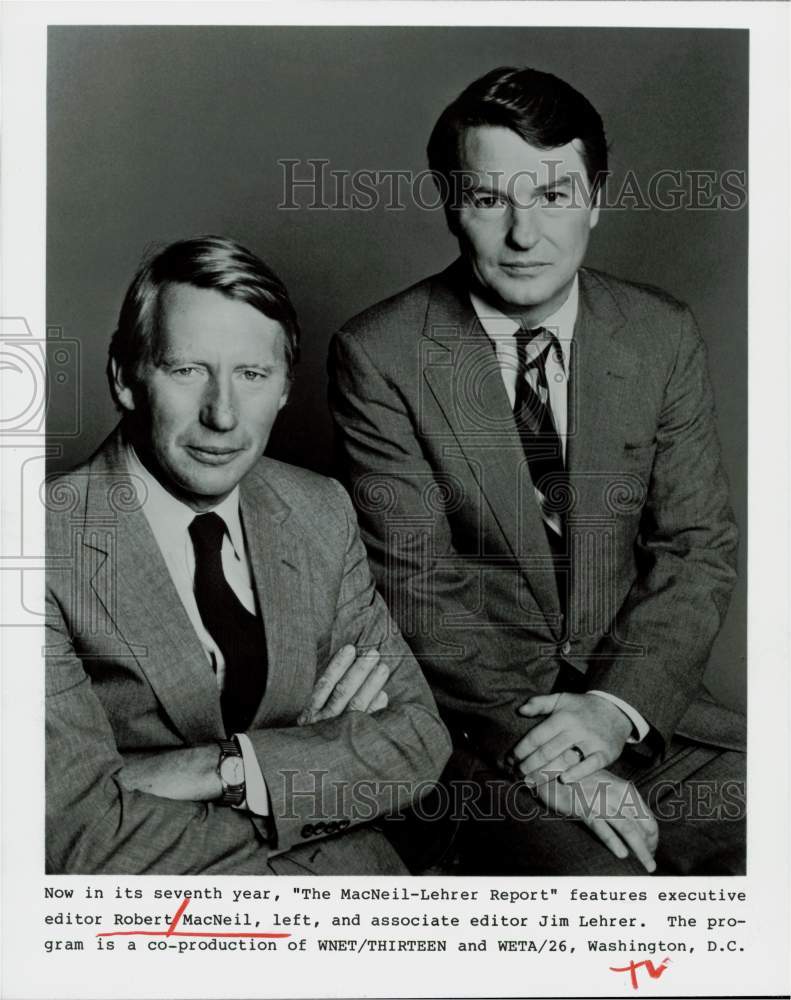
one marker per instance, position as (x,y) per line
(565,649)
(306,831)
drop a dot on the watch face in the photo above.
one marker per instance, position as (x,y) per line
(232,771)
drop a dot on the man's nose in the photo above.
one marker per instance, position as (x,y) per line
(525,229)
(218,406)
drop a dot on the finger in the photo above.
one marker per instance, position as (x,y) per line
(582,768)
(633,836)
(552,772)
(349,685)
(607,836)
(325,685)
(539,704)
(380,701)
(548,756)
(371,688)
(565,764)
(652,839)
(641,816)
(537,737)
(650,828)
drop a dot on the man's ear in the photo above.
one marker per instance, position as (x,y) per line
(122,388)
(284,397)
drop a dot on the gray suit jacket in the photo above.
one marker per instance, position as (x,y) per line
(126,673)
(448,513)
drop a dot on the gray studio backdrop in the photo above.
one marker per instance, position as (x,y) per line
(155,134)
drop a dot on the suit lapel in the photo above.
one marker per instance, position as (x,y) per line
(603,365)
(460,367)
(283,588)
(132,582)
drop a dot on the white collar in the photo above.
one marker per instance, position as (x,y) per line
(560,323)
(169,518)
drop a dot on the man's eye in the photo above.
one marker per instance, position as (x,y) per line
(185,371)
(554,197)
(487,201)
(249,375)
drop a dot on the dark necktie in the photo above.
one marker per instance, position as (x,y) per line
(238,634)
(540,441)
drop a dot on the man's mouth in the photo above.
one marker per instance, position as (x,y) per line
(524,268)
(209,455)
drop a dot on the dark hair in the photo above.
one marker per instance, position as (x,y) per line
(539,107)
(204,262)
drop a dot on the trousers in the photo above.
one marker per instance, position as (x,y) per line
(696,793)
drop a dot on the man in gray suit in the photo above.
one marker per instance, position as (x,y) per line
(532,451)
(226,692)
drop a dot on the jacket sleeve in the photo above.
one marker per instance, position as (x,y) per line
(685,551)
(326,777)
(432,587)
(93,824)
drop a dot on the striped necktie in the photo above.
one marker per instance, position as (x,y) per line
(540,440)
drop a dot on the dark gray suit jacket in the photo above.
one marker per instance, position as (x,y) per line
(450,520)
(126,674)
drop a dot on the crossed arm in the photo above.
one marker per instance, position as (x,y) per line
(351,682)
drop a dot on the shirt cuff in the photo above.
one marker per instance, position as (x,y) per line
(639,725)
(256,794)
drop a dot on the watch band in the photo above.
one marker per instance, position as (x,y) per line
(232,794)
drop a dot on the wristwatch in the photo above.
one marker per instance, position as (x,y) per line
(230,768)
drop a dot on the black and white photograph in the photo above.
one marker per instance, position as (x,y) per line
(393,463)
(529,437)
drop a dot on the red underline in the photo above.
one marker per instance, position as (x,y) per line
(222,934)
(172,932)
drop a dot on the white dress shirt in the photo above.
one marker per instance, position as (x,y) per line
(169,520)
(500,329)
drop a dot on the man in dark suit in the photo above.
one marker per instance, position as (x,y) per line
(226,692)
(532,451)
